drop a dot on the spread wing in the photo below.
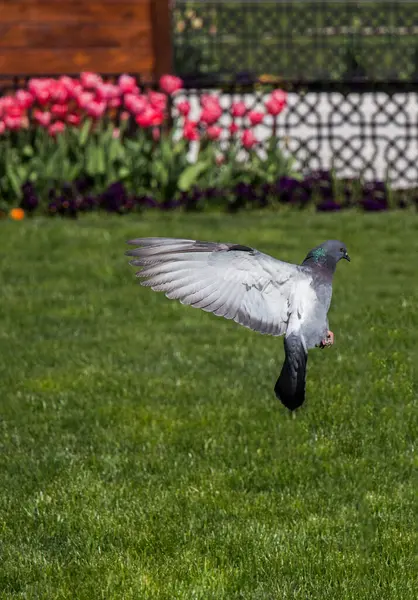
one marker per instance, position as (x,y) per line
(229,280)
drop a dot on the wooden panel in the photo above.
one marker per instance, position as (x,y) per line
(74,11)
(67,36)
(161,31)
(104,60)
(136,35)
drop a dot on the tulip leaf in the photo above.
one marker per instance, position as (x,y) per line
(84,132)
(190,175)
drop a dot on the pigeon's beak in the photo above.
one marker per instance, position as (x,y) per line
(347,257)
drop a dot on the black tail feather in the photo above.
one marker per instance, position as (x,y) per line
(290,386)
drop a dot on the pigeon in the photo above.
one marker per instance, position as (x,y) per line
(253,289)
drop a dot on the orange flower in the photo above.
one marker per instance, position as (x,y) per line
(17,214)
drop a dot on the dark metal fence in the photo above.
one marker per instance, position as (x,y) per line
(298,40)
(351,69)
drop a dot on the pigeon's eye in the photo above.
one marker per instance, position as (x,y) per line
(342,250)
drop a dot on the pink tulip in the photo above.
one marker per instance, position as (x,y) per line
(73,86)
(127,84)
(84,99)
(150,117)
(42,118)
(5,103)
(156,134)
(212,110)
(107,91)
(210,101)
(136,104)
(124,115)
(214,132)
(14,110)
(157,100)
(170,84)
(183,107)
(115,102)
(13,123)
(24,99)
(280,96)
(96,109)
(2,127)
(233,128)
(90,80)
(55,128)
(190,131)
(59,110)
(255,117)
(58,91)
(116,133)
(248,139)
(73,119)
(276,103)
(39,88)
(238,109)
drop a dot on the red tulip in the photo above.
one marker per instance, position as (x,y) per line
(238,109)
(276,103)
(190,131)
(90,80)
(127,84)
(149,117)
(59,110)
(55,128)
(214,132)
(183,108)
(170,84)
(255,117)
(135,104)
(42,118)
(24,99)
(248,139)
(95,109)
(233,128)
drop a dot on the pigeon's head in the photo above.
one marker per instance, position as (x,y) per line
(327,254)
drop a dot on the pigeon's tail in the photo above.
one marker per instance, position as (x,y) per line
(290,387)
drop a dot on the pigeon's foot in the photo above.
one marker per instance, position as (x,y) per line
(329,340)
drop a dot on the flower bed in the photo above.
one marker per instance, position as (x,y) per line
(78,144)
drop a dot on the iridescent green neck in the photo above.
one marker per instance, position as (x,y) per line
(319,255)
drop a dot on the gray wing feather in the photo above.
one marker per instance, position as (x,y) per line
(232,281)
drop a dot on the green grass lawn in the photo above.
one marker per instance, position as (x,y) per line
(143,454)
